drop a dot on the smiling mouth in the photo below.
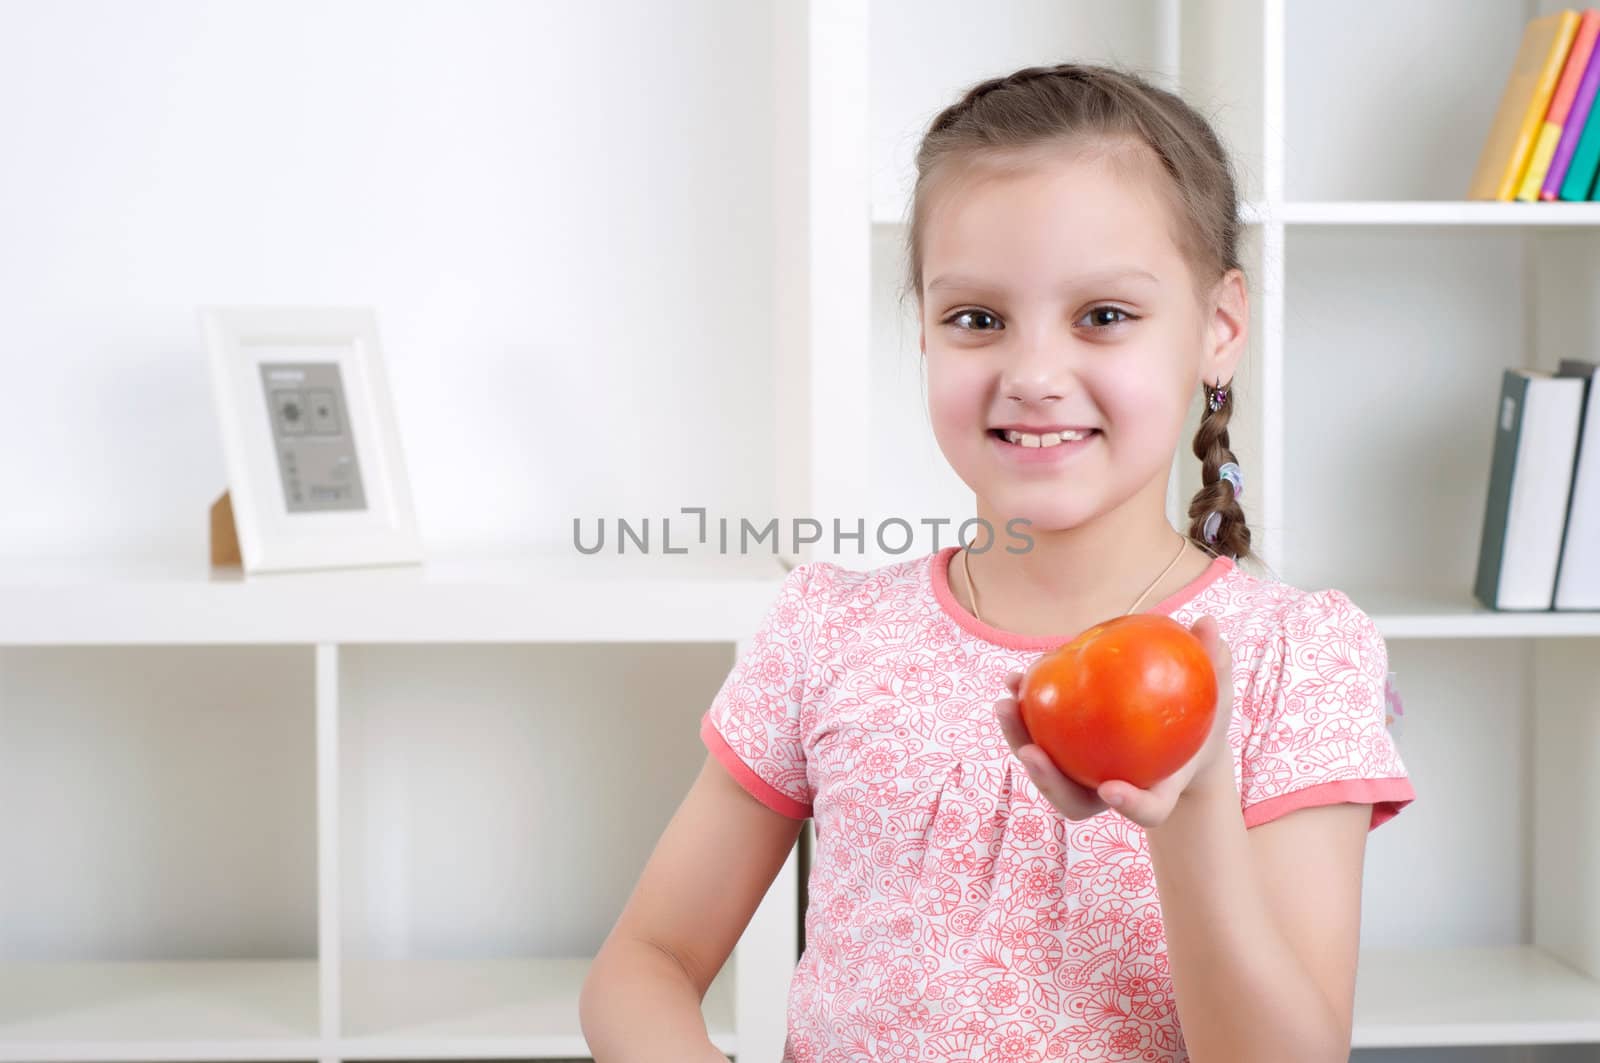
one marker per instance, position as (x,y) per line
(1047,439)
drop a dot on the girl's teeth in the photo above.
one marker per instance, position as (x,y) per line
(1049,439)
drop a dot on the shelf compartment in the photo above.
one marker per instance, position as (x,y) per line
(1395,342)
(1467,720)
(1394,345)
(1472,996)
(167,906)
(522,1007)
(468,876)
(1391,101)
(165,800)
(1487,944)
(95,1012)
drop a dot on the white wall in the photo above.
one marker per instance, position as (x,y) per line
(562,214)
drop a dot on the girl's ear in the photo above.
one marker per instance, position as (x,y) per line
(922,339)
(1228,331)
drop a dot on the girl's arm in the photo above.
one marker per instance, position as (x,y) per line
(1262,926)
(708,873)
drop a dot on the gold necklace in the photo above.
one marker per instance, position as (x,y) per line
(972,588)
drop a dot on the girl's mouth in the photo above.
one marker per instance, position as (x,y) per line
(1049,446)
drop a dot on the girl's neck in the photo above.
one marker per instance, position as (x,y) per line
(1070,580)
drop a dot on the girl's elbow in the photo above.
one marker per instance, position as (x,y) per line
(593,993)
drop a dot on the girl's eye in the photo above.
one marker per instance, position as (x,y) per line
(1106,316)
(982,320)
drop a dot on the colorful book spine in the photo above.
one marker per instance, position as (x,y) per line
(1550,134)
(1579,180)
(1523,105)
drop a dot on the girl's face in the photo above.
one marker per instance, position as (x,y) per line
(1055,299)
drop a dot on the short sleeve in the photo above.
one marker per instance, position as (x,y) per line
(1322,736)
(754,726)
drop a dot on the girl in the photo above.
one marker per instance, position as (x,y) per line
(1073,256)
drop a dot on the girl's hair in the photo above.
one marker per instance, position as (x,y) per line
(1007,120)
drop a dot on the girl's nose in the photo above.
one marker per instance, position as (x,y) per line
(1038,366)
(1034,380)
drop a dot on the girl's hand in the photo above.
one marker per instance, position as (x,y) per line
(1212,766)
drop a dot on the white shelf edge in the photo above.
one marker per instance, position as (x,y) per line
(434,1008)
(1488,626)
(128,1013)
(1517,995)
(567,1046)
(1395,212)
(197,1051)
(522,610)
(1430,212)
(1390,212)
(119,1012)
(559,600)
(1404,998)
(1439,615)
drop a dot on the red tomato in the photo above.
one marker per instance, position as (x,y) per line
(1132,698)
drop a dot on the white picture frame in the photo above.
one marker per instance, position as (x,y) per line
(324,485)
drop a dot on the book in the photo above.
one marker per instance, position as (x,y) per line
(1578,182)
(1577,116)
(1578,577)
(1544,148)
(1530,483)
(1523,105)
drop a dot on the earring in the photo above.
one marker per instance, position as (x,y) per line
(1217,396)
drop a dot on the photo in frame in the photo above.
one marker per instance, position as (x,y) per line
(316,473)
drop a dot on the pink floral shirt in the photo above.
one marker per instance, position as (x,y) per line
(954,915)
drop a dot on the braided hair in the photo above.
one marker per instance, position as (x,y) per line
(999,121)
(1216,495)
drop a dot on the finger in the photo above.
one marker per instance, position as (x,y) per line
(1009,716)
(1148,808)
(1013,681)
(1072,800)
(1214,640)
(1210,635)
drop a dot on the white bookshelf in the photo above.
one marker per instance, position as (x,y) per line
(390,813)
(344,798)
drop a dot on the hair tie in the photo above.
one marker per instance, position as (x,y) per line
(1213,523)
(1230,472)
